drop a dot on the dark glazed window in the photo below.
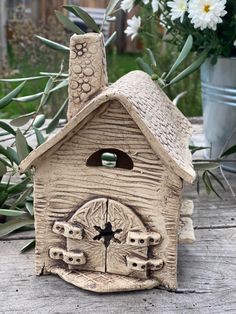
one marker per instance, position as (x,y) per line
(111,158)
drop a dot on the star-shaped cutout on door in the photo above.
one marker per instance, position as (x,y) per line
(107,234)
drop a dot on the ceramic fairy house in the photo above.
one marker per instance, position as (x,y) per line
(108,185)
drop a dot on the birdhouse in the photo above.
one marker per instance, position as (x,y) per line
(108,186)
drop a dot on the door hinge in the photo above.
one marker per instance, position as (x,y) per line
(138,238)
(140,264)
(70,258)
(67,230)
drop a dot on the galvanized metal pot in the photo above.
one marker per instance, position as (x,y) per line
(219,106)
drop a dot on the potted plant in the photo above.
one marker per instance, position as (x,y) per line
(212,26)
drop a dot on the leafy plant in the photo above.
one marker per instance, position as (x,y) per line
(167,79)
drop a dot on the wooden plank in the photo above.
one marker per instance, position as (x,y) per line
(210,211)
(207,283)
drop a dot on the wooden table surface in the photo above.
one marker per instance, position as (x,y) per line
(206,270)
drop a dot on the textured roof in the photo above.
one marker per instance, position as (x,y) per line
(164,126)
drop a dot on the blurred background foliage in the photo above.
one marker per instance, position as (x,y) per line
(27,55)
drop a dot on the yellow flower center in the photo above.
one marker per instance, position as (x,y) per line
(207,8)
(182,6)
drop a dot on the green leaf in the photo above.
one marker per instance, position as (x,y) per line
(29,206)
(22,79)
(30,245)
(194,149)
(52,44)
(54,74)
(21,145)
(29,98)
(230,151)
(46,91)
(144,66)
(6,153)
(22,120)
(67,23)
(13,155)
(3,169)
(88,20)
(3,187)
(39,121)
(183,55)
(193,67)
(208,184)
(5,162)
(39,136)
(205,165)
(12,225)
(62,84)
(111,6)
(21,199)
(3,198)
(178,97)
(217,180)
(55,120)
(205,180)
(110,39)
(3,133)
(11,212)
(7,128)
(9,97)
(19,187)
(151,56)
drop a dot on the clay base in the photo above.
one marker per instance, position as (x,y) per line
(103,282)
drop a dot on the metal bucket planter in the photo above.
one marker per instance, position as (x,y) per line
(219,107)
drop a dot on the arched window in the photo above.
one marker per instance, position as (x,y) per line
(110,158)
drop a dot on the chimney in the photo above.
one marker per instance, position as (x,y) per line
(87,70)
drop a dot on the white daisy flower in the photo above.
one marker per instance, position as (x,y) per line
(127,5)
(178,9)
(155,4)
(206,13)
(133,26)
